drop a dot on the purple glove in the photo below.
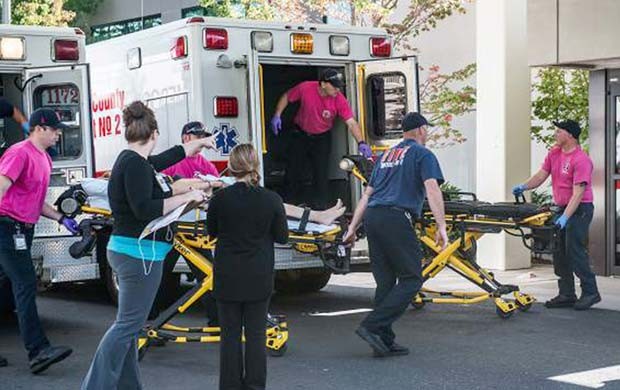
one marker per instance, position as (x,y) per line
(364,149)
(276,125)
(70,224)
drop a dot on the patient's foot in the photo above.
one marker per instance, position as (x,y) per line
(327,217)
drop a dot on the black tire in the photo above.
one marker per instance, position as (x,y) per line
(301,281)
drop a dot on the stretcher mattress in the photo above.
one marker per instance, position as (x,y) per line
(500,210)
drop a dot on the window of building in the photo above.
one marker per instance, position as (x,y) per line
(116,29)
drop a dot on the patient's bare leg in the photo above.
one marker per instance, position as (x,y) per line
(325,217)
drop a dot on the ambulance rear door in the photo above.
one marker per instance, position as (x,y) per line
(65,89)
(386,90)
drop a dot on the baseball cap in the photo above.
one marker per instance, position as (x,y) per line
(46,117)
(570,126)
(195,128)
(333,77)
(414,120)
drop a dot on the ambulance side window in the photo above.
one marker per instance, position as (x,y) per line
(387,102)
(65,100)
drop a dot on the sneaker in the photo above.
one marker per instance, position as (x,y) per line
(374,340)
(587,301)
(560,301)
(395,350)
(47,357)
(3,362)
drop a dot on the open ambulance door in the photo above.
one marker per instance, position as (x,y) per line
(256,105)
(387,89)
(65,89)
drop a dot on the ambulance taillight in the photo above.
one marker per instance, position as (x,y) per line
(179,50)
(215,39)
(380,47)
(12,48)
(65,50)
(225,107)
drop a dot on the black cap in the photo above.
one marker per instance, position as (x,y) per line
(570,126)
(414,120)
(195,128)
(333,77)
(46,117)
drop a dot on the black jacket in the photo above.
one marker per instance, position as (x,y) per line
(246,221)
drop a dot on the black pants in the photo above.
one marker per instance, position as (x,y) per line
(239,371)
(395,260)
(163,298)
(572,257)
(315,149)
(18,268)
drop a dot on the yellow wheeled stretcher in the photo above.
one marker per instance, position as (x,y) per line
(468,220)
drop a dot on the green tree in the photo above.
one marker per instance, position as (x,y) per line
(559,94)
(84,10)
(41,13)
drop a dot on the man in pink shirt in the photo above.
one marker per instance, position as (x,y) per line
(571,180)
(320,102)
(24,177)
(190,166)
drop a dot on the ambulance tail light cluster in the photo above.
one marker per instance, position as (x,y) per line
(262,41)
(215,39)
(339,45)
(179,50)
(225,107)
(65,50)
(380,47)
(302,43)
(12,48)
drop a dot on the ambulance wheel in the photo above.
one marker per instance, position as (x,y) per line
(502,314)
(278,352)
(301,281)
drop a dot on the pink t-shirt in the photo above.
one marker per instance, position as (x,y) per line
(189,166)
(29,169)
(567,170)
(317,113)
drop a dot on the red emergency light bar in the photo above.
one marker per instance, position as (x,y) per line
(195,19)
(66,50)
(380,47)
(179,50)
(226,107)
(215,39)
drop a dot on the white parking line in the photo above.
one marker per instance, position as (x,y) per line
(594,379)
(340,313)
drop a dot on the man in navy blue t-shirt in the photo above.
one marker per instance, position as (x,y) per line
(402,177)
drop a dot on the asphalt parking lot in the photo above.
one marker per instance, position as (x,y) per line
(453,347)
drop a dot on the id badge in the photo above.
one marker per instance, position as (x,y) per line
(162,182)
(20,242)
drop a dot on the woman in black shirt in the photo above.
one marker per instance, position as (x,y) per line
(246,219)
(138,194)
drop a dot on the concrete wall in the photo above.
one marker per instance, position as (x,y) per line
(116,10)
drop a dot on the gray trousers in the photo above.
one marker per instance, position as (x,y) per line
(115,365)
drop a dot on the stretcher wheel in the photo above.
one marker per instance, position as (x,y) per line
(523,307)
(278,352)
(418,305)
(502,314)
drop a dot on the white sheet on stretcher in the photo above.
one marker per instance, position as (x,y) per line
(293,224)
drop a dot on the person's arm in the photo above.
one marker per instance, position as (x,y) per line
(212,217)
(50,212)
(354,129)
(575,199)
(18,116)
(536,180)
(167,158)
(349,236)
(281,105)
(5,184)
(279,225)
(435,201)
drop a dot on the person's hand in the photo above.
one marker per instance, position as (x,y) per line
(70,224)
(561,221)
(197,196)
(349,236)
(364,149)
(519,189)
(276,124)
(441,237)
(194,147)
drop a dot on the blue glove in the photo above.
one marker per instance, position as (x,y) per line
(26,127)
(70,224)
(561,221)
(276,124)
(518,189)
(364,149)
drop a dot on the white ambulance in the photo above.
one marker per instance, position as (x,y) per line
(229,74)
(46,67)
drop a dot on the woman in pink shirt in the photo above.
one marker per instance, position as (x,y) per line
(570,169)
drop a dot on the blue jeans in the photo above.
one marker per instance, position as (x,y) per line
(573,257)
(396,263)
(18,267)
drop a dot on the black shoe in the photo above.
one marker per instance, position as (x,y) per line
(374,340)
(587,301)
(560,301)
(3,362)
(47,357)
(395,350)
